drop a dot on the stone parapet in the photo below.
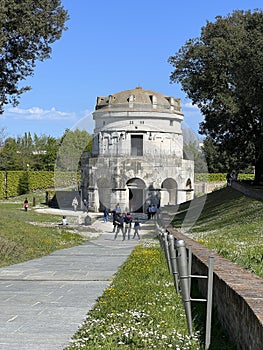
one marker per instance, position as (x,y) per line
(237,295)
(207,187)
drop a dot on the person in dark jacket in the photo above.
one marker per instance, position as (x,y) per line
(105,215)
(114,218)
(128,225)
(119,224)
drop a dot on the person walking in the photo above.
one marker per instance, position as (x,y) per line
(105,215)
(137,227)
(229,179)
(85,206)
(26,204)
(128,225)
(153,210)
(149,212)
(119,224)
(75,203)
(114,218)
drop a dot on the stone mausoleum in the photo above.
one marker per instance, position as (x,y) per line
(137,156)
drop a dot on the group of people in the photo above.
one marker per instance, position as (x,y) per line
(75,204)
(230,178)
(151,211)
(123,223)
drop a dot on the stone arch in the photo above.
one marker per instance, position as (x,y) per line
(136,191)
(188,184)
(169,189)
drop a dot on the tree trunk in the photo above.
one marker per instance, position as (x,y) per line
(259,171)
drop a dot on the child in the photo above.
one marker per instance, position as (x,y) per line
(25,204)
(64,221)
(136,228)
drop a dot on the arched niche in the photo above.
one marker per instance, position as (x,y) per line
(136,189)
(169,192)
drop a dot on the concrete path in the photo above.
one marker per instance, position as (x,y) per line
(44,301)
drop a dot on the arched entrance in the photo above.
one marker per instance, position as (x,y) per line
(136,189)
(169,192)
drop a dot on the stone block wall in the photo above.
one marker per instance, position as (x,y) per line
(207,187)
(237,295)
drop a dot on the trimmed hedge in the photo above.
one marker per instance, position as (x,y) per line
(220,177)
(15,183)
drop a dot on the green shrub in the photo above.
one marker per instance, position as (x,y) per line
(220,177)
(15,183)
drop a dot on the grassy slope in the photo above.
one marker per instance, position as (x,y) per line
(231,224)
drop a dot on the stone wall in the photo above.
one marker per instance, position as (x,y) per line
(237,295)
(207,187)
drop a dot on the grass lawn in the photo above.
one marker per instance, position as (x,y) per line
(20,240)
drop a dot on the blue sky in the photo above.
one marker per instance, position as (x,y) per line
(111,46)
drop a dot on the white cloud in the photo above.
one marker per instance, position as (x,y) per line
(189,105)
(37,113)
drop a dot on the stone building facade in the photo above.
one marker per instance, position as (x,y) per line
(137,157)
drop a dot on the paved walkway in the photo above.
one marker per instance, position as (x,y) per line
(44,301)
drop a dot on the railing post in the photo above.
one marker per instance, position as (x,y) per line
(159,234)
(166,250)
(190,258)
(173,261)
(209,303)
(184,281)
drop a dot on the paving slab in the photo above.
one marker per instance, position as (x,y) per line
(44,301)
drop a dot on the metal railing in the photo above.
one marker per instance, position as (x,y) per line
(180,266)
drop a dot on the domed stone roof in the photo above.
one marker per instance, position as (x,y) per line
(138,99)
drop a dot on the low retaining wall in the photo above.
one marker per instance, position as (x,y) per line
(207,187)
(237,295)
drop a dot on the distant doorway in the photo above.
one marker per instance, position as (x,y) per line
(136,188)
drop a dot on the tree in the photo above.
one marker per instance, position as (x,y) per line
(217,159)
(27,30)
(23,153)
(73,145)
(44,154)
(10,159)
(222,73)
